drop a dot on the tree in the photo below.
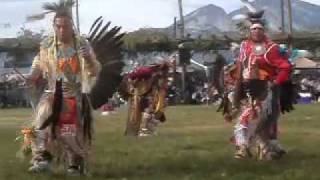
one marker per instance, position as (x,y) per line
(29,38)
(23,48)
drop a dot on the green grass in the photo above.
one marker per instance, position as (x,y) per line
(192,144)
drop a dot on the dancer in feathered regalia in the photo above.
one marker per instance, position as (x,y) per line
(258,84)
(145,89)
(77,73)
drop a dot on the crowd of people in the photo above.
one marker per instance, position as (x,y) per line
(308,89)
(13,91)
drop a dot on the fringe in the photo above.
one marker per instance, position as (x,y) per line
(270,110)
(87,119)
(56,109)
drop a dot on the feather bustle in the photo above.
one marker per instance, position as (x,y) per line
(107,47)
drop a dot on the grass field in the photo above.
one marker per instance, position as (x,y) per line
(192,144)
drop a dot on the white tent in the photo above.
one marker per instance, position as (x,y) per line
(305,63)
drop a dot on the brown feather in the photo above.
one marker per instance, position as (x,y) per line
(94,24)
(107,47)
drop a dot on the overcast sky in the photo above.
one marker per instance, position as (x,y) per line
(130,14)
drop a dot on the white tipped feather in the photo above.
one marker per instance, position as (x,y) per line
(249,6)
(239,17)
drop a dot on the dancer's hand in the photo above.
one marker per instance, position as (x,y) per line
(85,53)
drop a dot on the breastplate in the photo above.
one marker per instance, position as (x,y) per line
(251,69)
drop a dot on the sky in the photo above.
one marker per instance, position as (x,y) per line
(130,14)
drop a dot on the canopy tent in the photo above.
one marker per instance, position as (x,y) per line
(305,63)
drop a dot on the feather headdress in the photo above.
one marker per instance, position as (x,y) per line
(61,8)
(245,21)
